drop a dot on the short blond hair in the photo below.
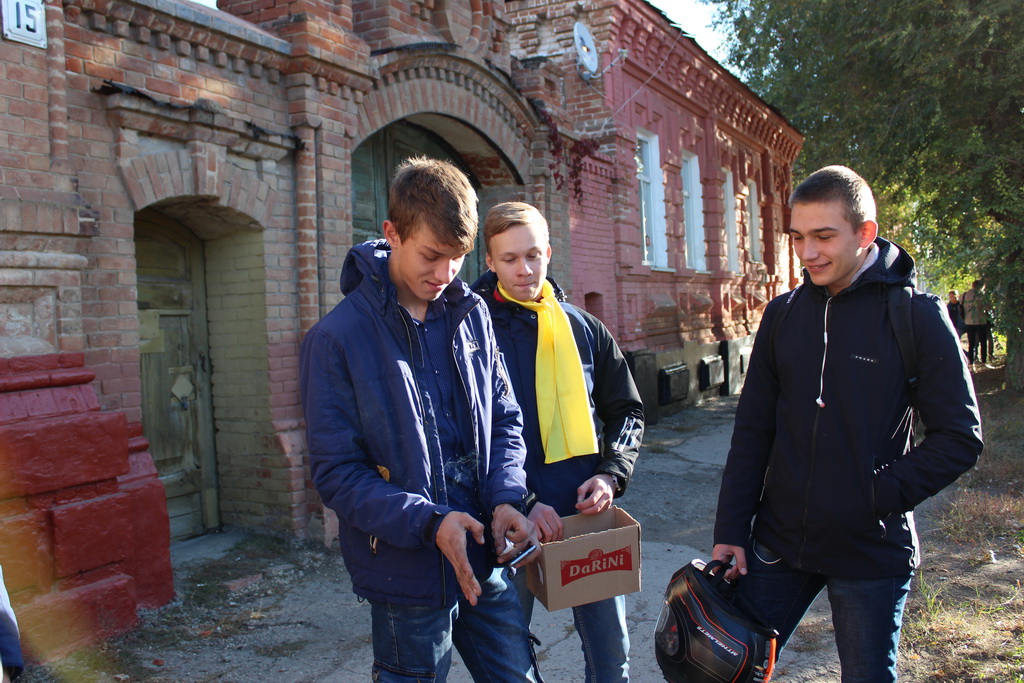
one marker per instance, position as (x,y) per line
(507,215)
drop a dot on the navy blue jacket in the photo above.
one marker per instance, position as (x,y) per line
(10,642)
(614,400)
(373,446)
(832,489)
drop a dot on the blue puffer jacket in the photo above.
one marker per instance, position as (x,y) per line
(373,447)
(614,399)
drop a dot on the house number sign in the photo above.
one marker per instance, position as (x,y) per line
(25,21)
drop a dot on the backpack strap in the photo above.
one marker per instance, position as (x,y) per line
(780,316)
(901,319)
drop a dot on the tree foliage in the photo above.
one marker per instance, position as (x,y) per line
(925,99)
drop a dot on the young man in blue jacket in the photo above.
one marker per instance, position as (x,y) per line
(415,441)
(569,376)
(823,475)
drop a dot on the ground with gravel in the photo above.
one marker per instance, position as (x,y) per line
(251,607)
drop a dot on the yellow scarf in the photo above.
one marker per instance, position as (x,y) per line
(563,403)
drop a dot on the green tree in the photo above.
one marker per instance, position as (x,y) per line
(925,99)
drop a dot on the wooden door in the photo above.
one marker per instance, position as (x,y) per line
(177,410)
(374,163)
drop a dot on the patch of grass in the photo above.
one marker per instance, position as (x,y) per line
(987,509)
(931,604)
(965,618)
(977,516)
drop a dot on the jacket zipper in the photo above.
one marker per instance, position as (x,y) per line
(433,473)
(465,391)
(814,439)
(807,491)
(374,539)
(433,470)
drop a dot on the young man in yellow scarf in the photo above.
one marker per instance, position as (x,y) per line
(569,376)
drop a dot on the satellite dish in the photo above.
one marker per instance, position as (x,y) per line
(586,48)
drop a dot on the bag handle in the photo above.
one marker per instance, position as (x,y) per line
(728,590)
(717,578)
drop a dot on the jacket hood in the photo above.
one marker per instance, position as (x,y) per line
(487,283)
(368,260)
(894,266)
(366,265)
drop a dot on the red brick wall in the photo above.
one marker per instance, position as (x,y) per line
(82,513)
(240,127)
(240,132)
(668,86)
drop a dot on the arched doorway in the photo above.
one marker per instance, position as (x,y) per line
(177,409)
(373,164)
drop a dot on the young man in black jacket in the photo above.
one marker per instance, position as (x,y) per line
(569,376)
(823,475)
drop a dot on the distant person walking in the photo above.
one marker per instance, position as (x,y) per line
(976,318)
(956,313)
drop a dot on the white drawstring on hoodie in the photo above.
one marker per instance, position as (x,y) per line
(824,355)
(869,261)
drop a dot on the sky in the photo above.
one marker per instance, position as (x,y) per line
(691,15)
(694,18)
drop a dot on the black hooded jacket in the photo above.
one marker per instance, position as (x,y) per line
(832,487)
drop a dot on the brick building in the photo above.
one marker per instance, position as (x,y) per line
(179,188)
(677,243)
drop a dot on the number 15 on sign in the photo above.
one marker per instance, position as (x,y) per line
(25,21)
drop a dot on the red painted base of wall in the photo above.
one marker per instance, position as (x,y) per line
(83,517)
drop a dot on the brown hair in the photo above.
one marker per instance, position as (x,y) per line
(506,215)
(436,194)
(838,183)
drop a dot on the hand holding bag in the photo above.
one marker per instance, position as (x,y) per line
(704,634)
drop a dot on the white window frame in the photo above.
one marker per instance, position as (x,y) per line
(732,247)
(693,213)
(754,221)
(653,235)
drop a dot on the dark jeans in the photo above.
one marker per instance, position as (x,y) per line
(415,643)
(603,634)
(867,614)
(977,338)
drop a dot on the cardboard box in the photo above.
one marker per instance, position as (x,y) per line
(599,558)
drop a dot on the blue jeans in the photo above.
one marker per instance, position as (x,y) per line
(415,643)
(603,635)
(867,614)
